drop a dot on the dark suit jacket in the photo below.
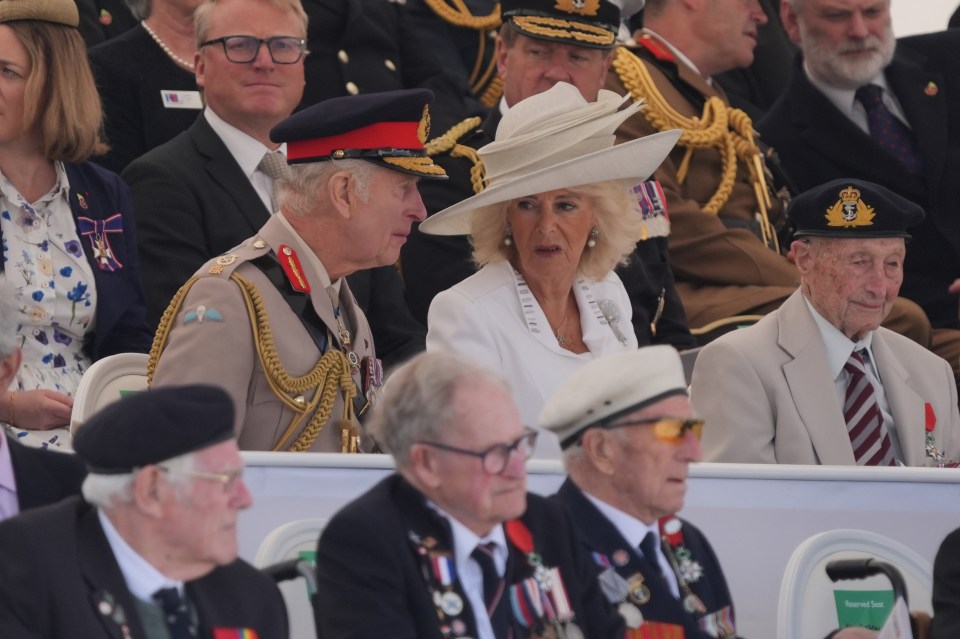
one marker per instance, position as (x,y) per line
(818,143)
(946,589)
(370,583)
(120,325)
(101,20)
(434,263)
(58,573)
(44,476)
(193,203)
(600,536)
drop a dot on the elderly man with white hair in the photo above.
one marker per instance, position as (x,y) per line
(151,548)
(452,545)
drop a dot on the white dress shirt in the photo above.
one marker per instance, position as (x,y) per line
(142,578)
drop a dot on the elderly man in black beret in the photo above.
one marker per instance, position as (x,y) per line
(819,381)
(629,435)
(273,321)
(151,548)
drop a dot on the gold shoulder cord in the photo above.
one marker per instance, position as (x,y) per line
(721,127)
(457,13)
(330,375)
(448,143)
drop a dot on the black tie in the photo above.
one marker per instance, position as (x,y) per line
(176,613)
(493,586)
(887,130)
(649,549)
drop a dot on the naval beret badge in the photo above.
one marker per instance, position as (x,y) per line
(850,210)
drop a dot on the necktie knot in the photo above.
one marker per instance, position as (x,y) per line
(856,364)
(176,613)
(648,546)
(870,94)
(274,165)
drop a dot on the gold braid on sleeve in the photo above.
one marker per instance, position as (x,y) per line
(720,127)
(449,143)
(329,376)
(457,13)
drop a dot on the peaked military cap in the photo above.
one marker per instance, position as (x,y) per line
(585,23)
(57,11)
(606,388)
(153,426)
(388,128)
(852,208)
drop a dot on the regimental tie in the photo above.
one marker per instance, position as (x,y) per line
(493,589)
(887,130)
(868,436)
(274,165)
(176,613)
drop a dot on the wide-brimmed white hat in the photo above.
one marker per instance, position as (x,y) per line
(556,140)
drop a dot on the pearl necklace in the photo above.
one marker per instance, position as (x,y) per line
(165,48)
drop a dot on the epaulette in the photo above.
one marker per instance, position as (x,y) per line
(223,265)
(454,136)
(656,49)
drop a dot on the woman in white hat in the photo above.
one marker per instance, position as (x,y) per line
(554,220)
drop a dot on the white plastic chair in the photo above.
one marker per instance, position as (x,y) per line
(105,382)
(288,542)
(807,608)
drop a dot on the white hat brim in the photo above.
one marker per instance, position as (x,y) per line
(633,160)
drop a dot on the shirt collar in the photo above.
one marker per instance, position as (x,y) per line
(678,54)
(142,578)
(838,346)
(630,528)
(844,99)
(465,540)
(246,150)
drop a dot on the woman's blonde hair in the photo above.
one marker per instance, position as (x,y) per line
(619,228)
(61,98)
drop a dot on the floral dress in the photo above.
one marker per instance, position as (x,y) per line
(43,260)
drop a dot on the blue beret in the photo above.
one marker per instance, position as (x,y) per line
(388,128)
(153,426)
(592,24)
(852,208)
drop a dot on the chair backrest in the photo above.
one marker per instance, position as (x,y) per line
(106,381)
(293,540)
(808,607)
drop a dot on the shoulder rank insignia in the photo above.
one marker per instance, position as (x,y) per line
(201,314)
(291,267)
(223,260)
(850,210)
(659,51)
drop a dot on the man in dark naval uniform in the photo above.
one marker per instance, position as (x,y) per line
(151,548)
(543,42)
(452,545)
(629,434)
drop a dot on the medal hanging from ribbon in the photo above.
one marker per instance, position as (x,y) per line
(98,231)
(439,572)
(554,612)
(681,560)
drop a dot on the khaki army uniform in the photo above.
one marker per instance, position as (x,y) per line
(231,326)
(723,249)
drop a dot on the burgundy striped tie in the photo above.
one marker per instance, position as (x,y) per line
(870,440)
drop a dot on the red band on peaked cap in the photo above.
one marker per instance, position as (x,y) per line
(381,135)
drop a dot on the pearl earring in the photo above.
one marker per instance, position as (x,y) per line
(594,234)
(508,238)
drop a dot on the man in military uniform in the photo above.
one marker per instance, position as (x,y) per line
(629,435)
(273,321)
(542,42)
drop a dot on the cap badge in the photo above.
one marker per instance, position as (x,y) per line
(850,210)
(579,7)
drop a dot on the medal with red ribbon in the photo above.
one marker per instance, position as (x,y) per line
(98,231)
(935,456)
(681,559)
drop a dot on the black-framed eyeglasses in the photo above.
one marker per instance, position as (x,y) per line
(668,429)
(494,459)
(227,480)
(243,49)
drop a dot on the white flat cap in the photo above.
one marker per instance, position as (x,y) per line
(609,387)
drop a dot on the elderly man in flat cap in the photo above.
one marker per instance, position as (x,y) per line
(452,545)
(629,434)
(273,321)
(819,381)
(151,548)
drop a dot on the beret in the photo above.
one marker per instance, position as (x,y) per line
(59,11)
(593,24)
(388,128)
(607,388)
(153,426)
(852,208)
